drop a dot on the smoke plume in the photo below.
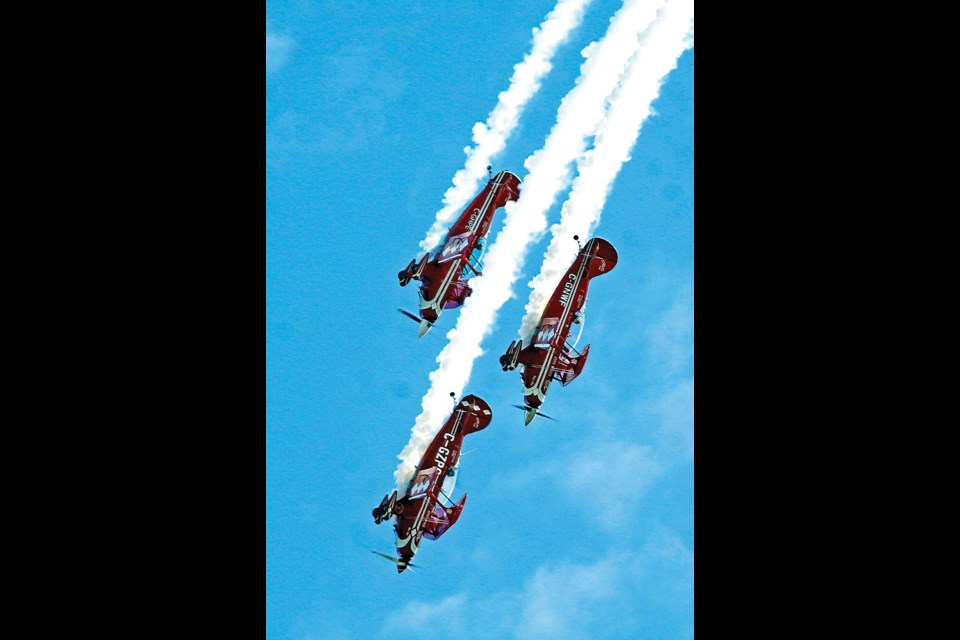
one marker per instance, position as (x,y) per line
(491,138)
(580,113)
(630,105)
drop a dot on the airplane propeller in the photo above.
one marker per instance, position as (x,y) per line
(410,315)
(395,560)
(538,413)
(425,325)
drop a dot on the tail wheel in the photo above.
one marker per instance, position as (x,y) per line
(407,273)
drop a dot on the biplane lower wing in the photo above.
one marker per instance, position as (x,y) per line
(566,368)
(442,519)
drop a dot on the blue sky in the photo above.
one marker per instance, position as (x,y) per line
(581,528)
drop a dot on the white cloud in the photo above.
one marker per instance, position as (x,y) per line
(671,336)
(645,592)
(610,479)
(626,594)
(423,615)
(525,219)
(674,410)
(491,138)
(655,56)
(556,600)
(278,50)
(610,473)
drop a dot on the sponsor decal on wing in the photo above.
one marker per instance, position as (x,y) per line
(422,482)
(548,329)
(454,247)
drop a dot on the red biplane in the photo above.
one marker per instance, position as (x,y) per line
(443,274)
(426,509)
(550,355)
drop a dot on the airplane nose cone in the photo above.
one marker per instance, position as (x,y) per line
(424,327)
(401,565)
(528,417)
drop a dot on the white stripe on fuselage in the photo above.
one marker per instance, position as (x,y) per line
(548,361)
(455,265)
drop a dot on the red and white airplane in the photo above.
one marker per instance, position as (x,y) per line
(443,274)
(426,509)
(550,356)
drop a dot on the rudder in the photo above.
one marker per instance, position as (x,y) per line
(479,412)
(603,257)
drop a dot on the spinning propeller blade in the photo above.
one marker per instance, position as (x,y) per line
(394,560)
(522,408)
(425,325)
(410,315)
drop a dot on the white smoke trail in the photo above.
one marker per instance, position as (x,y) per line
(580,112)
(660,48)
(490,138)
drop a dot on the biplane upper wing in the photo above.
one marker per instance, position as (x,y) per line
(442,518)
(566,366)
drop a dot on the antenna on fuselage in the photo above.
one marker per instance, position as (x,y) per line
(490,171)
(579,246)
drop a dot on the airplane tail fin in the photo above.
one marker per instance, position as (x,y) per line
(603,257)
(479,414)
(509,180)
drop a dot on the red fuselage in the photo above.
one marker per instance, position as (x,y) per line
(426,509)
(549,355)
(444,274)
